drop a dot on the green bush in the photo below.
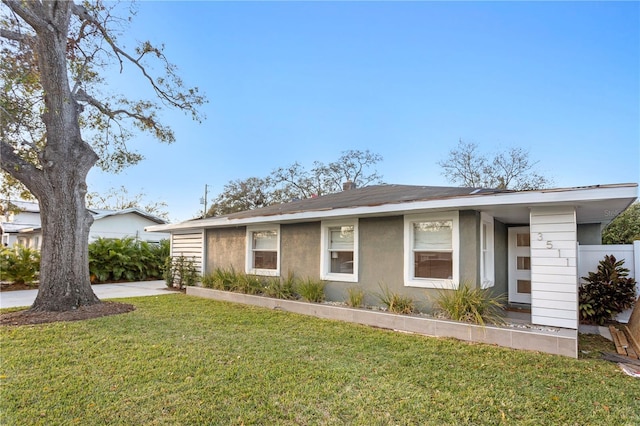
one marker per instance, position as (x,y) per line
(180,272)
(474,305)
(220,279)
(395,302)
(248,284)
(19,264)
(126,259)
(356,297)
(280,288)
(606,292)
(311,290)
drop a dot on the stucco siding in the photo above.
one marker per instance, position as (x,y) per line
(469,247)
(300,250)
(381,257)
(226,248)
(590,233)
(554,288)
(501,260)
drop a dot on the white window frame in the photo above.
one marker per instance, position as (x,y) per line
(409,273)
(487,251)
(325,254)
(249,268)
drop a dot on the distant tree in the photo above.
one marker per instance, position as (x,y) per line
(239,195)
(59,117)
(295,182)
(512,169)
(119,199)
(624,229)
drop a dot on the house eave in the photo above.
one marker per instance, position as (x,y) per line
(579,196)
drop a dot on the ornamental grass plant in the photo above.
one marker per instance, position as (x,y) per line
(471,304)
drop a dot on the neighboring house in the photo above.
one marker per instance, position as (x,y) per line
(418,239)
(24,227)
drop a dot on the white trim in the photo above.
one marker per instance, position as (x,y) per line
(526,198)
(325,259)
(409,279)
(487,255)
(249,269)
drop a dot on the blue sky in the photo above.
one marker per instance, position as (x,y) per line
(304,81)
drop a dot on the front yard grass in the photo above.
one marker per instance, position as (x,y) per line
(183,360)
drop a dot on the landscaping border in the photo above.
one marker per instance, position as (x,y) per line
(558,342)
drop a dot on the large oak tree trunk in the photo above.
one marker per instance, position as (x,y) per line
(64,265)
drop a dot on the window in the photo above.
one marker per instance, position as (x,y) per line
(339,251)
(263,251)
(431,250)
(487,274)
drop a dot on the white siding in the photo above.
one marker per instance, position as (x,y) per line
(554,273)
(190,245)
(124,225)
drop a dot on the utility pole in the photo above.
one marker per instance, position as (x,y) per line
(204,201)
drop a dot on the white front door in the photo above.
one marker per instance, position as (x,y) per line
(520,265)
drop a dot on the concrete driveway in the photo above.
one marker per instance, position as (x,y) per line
(12,299)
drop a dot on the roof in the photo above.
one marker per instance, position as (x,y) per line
(23,206)
(380,200)
(10,227)
(375,195)
(100,214)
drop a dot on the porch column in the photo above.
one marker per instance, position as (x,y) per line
(554,273)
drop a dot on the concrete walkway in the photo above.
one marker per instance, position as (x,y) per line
(12,299)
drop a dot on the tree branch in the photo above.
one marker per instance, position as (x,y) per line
(17,167)
(15,36)
(174,99)
(26,10)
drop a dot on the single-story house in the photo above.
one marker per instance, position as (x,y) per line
(24,227)
(417,239)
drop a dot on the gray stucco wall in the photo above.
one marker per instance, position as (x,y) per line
(226,248)
(381,255)
(501,260)
(469,247)
(590,234)
(300,250)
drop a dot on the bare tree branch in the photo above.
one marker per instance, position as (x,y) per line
(176,99)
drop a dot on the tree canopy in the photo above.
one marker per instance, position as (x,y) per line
(510,169)
(624,229)
(59,116)
(296,182)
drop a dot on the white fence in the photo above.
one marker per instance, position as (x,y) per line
(589,256)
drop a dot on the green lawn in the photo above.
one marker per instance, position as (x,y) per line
(184,360)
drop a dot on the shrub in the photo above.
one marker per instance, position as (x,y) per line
(311,290)
(356,297)
(474,305)
(180,272)
(126,259)
(606,292)
(221,279)
(280,288)
(19,264)
(395,302)
(248,284)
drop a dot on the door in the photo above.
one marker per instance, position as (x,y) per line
(520,265)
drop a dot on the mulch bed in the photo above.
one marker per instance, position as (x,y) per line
(98,310)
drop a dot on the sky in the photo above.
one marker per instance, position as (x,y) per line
(304,81)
